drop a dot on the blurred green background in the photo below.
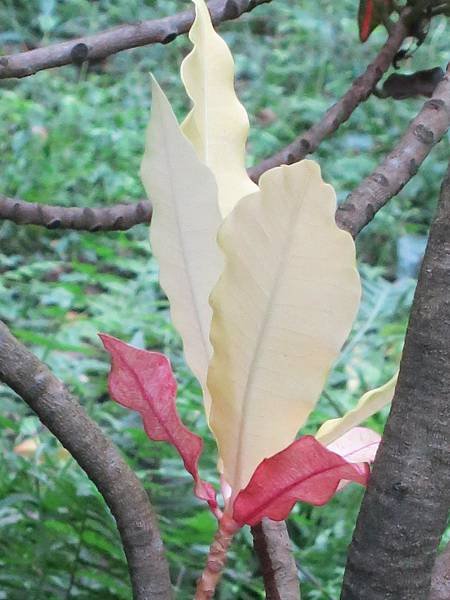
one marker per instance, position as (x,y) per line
(75,136)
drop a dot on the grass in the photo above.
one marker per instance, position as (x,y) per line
(75,137)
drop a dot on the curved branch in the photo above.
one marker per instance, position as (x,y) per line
(356,212)
(100,45)
(273,547)
(405,508)
(401,164)
(359,91)
(65,418)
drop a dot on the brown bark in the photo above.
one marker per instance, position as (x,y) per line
(405,508)
(119,486)
(100,45)
(273,547)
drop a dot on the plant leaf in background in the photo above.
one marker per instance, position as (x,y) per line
(183,233)
(370,15)
(305,471)
(281,313)
(143,381)
(370,403)
(218,124)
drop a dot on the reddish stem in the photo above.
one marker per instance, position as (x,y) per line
(217,557)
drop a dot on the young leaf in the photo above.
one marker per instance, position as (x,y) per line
(282,310)
(143,381)
(217,124)
(370,403)
(370,15)
(304,471)
(359,445)
(183,233)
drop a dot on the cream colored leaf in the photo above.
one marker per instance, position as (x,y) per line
(183,232)
(370,403)
(281,312)
(217,124)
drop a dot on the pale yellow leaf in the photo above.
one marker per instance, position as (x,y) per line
(370,403)
(183,232)
(281,312)
(217,124)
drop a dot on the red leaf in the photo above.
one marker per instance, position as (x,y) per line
(365,19)
(304,471)
(144,381)
(370,15)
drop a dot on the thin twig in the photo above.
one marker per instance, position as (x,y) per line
(401,164)
(98,46)
(65,418)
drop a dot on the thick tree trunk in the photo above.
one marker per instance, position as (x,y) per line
(404,511)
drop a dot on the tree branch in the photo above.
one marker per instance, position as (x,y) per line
(107,218)
(273,547)
(404,511)
(356,212)
(359,91)
(101,45)
(125,216)
(119,486)
(401,164)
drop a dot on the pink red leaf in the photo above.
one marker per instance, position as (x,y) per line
(143,381)
(304,471)
(358,445)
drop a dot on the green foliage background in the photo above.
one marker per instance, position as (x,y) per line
(75,137)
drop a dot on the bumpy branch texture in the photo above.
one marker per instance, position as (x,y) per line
(101,45)
(405,509)
(360,90)
(110,218)
(401,164)
(122,491)
(273,546)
